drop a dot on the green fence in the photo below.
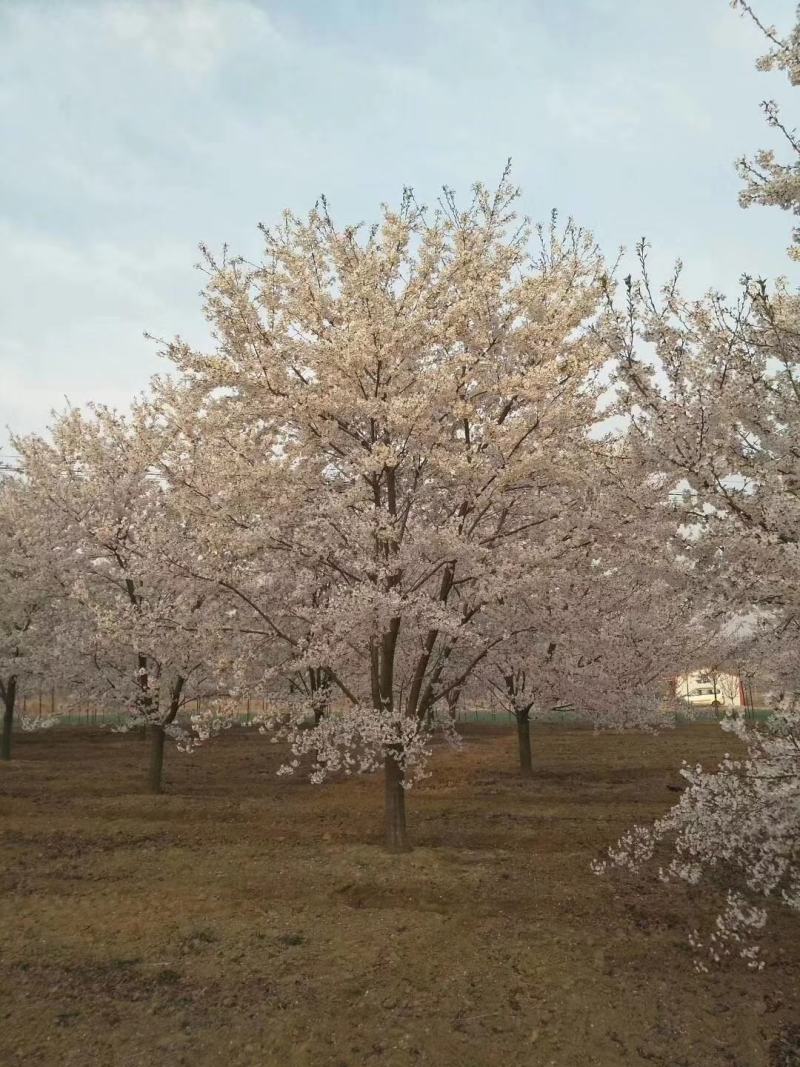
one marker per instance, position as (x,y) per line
(37,708)
(575,716)
(498,717)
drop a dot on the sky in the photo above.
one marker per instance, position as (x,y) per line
(133,130)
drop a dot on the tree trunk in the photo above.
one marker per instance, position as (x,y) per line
(395,806)
(524,739)
(157,736)
(453,698)
(10,694)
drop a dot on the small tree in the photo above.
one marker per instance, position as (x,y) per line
(606,651)
(27,596)
(133,635)
(604,621)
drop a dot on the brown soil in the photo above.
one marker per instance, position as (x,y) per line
(243,919)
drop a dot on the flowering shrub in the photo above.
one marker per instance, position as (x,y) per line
(741,821)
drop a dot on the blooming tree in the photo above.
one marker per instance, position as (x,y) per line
(27,597)
(133,635)
(726,422)
(399,411)
(741,822)
(605,632)
(717,408)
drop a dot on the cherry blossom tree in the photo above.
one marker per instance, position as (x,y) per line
(726,422)
(716,407)
(27,597)
(399,411)
(740,822)
(606,631)
(132,635)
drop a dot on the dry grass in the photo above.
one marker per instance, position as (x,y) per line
(244,919)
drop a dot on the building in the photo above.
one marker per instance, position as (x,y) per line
(713,689)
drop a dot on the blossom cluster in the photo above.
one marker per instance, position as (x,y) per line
(740,822)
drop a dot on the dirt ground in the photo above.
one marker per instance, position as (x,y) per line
(246,920)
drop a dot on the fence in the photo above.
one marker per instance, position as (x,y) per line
(51,708)
(575,716)
(43,707)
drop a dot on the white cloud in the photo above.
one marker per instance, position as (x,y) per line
(587,116)
(73,318)
(194,36)
(26,402)
(108,271)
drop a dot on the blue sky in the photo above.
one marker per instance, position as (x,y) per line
(131,131)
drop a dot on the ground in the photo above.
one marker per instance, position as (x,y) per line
(246,920)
